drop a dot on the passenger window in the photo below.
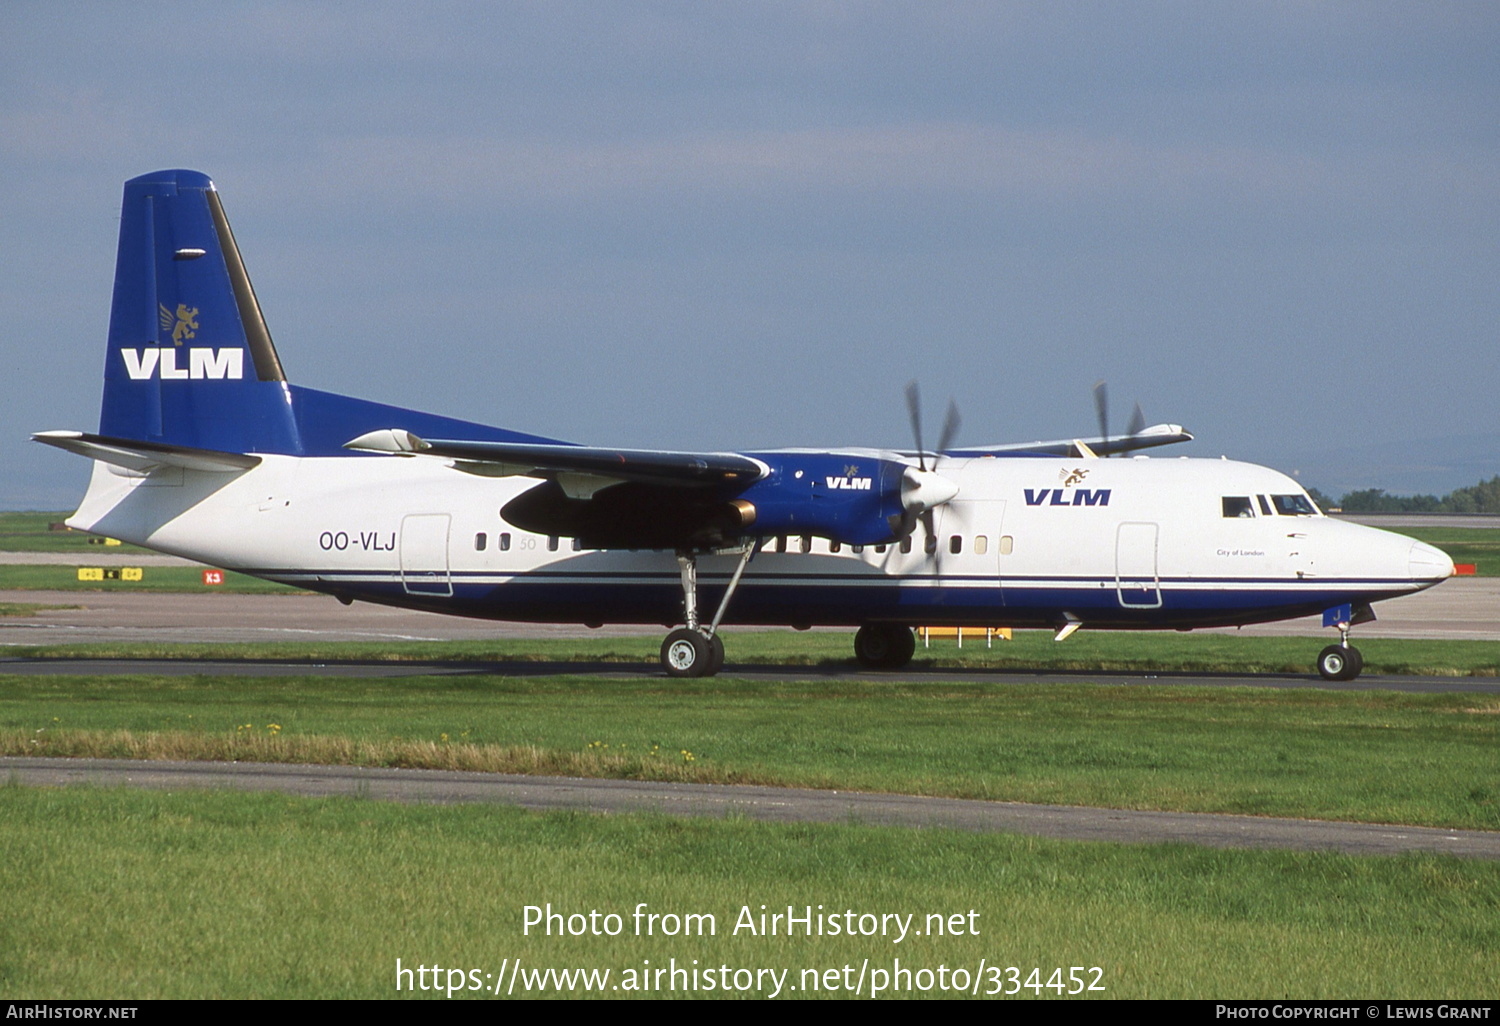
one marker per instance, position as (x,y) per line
(906,544)
(981,544)
(577,545)
(504,541)
(955,544)
(834,546)
(931,546)
(551,543)
(880,548)
(480,540)
(806,543)
(1007,544)
(856,548)
(1237,506)
(781,543)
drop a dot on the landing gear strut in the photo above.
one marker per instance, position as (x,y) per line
(1343,661)
(693,650)
(884,646)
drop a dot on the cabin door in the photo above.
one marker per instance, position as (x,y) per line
(424,554)
(1136,581)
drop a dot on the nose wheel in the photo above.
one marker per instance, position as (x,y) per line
(1343,661)
(1340,662)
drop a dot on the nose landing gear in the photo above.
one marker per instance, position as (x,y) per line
(1342,661)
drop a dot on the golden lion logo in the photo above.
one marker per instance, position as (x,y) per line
(183,324)
(1073,477)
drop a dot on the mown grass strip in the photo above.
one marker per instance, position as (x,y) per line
(28,608)
(1367,756)
(224,895)
(32,532)
(153,579)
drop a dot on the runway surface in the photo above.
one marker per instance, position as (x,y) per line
(784,805)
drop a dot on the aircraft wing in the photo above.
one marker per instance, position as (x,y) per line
(1146,438)
(581,470)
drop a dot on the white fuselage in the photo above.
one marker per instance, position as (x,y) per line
(1110,543)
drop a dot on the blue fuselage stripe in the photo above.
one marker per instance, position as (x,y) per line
(834,600)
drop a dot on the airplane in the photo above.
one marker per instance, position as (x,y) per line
(207,450)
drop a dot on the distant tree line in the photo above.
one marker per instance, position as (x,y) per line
(1481,498)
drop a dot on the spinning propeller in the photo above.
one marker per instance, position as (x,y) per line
(921,489)
(1101,407)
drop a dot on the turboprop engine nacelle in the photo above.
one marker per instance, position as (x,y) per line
(849,499)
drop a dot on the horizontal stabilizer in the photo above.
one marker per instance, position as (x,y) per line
(647,466)
(144,457)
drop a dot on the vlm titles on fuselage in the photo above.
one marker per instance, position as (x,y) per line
(206,450)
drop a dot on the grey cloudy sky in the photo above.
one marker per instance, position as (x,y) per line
(748,225)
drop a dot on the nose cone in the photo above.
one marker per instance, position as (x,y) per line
(923,489)
(1429,564)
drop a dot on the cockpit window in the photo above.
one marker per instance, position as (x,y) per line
(1237,506)
(1294,505)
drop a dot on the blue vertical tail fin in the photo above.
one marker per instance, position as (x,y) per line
(190,362)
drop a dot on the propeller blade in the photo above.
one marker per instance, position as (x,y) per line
(914,407)
(950,427)
(1101,407)
(1137,421)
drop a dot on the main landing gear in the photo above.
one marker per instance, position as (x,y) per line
(884,646)
(1343,661)
(696,651)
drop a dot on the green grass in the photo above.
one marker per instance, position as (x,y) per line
(153,579)
(31,532)
(1480,546)
(1123,652)
(1370,756)
(27,608)
(134,895)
